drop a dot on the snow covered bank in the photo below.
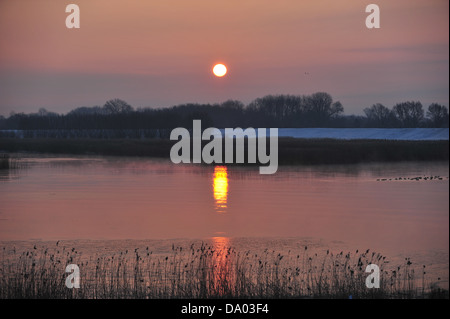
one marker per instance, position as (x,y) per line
(409,134)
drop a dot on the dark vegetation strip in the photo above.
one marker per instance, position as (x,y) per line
(8,162)
(291,151)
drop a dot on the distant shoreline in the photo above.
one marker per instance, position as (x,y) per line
(406,134)
(292,151)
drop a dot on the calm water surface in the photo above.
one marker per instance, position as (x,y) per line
(102,200)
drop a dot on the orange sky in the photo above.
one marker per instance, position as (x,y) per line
(160,53)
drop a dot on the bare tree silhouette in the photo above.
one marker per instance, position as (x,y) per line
(410,114)
(438,115)
(379,115)
(116,106)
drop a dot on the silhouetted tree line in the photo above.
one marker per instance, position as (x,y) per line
(407,114)
(289,111)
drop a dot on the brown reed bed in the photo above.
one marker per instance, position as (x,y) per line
(205,271)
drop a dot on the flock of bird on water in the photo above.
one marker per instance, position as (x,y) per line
(418,178)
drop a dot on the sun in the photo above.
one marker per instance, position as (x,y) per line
(219,70)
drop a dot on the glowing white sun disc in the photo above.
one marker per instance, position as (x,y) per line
(219,70)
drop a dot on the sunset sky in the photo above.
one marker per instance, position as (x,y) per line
(155,53)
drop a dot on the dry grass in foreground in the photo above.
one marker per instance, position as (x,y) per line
(206,272)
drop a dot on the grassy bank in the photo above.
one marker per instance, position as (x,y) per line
(203,271)
(291,151)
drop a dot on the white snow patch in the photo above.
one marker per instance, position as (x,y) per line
(408,134)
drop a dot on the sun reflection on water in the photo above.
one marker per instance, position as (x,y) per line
(222,274)
(220,188)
